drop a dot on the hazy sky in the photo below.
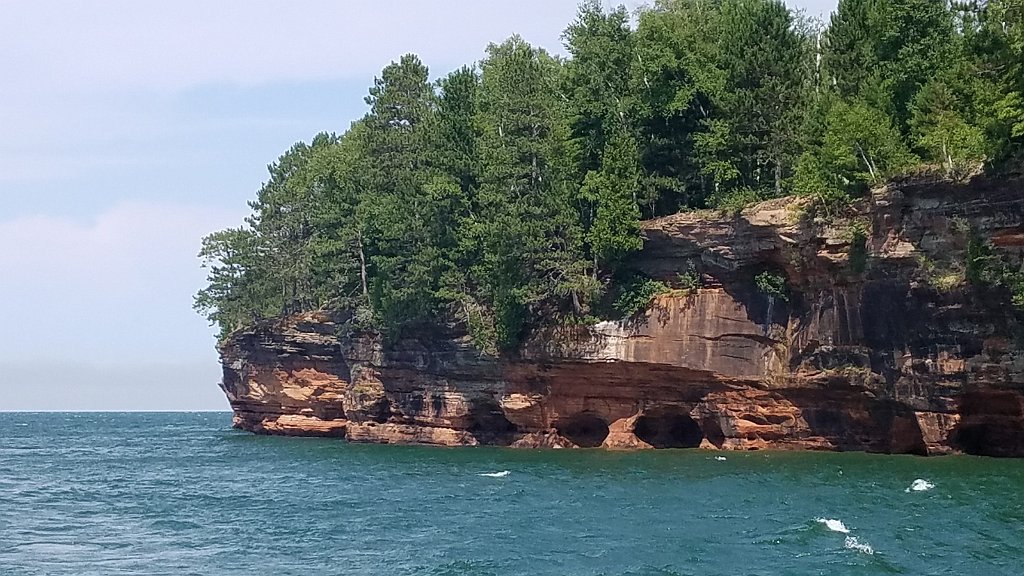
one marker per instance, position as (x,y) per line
(129,130)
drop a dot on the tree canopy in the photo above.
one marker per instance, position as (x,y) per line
(508,194)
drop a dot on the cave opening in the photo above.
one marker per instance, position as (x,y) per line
(670,430)
(488,424)
(976,438)
(584,430)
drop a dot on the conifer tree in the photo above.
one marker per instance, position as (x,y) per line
(528,230)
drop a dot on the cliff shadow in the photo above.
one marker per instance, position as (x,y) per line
(850,422)
(586,429)
(992,423)
(487,423)
(668,429)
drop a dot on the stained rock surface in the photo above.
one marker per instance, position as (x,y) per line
(879,344)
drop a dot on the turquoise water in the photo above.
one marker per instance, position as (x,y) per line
(155,494)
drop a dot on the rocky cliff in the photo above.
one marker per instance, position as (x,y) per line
(879,343)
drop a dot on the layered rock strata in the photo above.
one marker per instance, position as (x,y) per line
(879,344)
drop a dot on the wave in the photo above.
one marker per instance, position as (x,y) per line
(834,525)
(853,544)
(501,474)
(920,485)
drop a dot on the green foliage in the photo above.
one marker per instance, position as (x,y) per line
(508,196)
(637,294)
(772,285)
(766,93)
(815,180)
(235,295)
(597,81)
(734,201)
(944,277)
(940,130)
(1004,21)
(533,262)
(615,232)
(850,42)
(858,254)
(985,267)
(884,50)
(689,280)
(862,145)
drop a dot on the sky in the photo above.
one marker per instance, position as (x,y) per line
(129,130)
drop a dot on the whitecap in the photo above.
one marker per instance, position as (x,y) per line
(501,474)
(720,458)
(920,485)
(853,544)
(834,525)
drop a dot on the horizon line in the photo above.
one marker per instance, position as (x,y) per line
(110,411)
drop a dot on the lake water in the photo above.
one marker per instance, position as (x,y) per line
(177,494)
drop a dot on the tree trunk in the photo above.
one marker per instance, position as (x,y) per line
(778,177)
(867,162)
(948,157)
(362,269)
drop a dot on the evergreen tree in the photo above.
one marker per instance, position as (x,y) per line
(766,89)
(410,213)
(615,233)
(339,225)
(603,111)
(236,294)
(678,83)
(851,58)
(597,78)
(282,214)
(884,50)
(528,231)
(508,197)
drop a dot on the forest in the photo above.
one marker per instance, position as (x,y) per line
(507,195)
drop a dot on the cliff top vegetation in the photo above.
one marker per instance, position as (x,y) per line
(508,194)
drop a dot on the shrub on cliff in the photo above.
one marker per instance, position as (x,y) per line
(772,285)
(637,295)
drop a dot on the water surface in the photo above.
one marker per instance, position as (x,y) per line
(177,493)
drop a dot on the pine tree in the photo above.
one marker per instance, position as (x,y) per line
(678,82)
(851,58)
(615,234)
(236,294)
(766,89)
(408,213)
(526,226)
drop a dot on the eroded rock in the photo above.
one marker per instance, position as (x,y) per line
(882,346)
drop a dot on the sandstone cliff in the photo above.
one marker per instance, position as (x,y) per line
(882,346)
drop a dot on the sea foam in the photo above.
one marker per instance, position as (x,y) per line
(501,474)
(853,544)
(834,525)
(920,485)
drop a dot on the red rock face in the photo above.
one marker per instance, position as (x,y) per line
(882,347)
